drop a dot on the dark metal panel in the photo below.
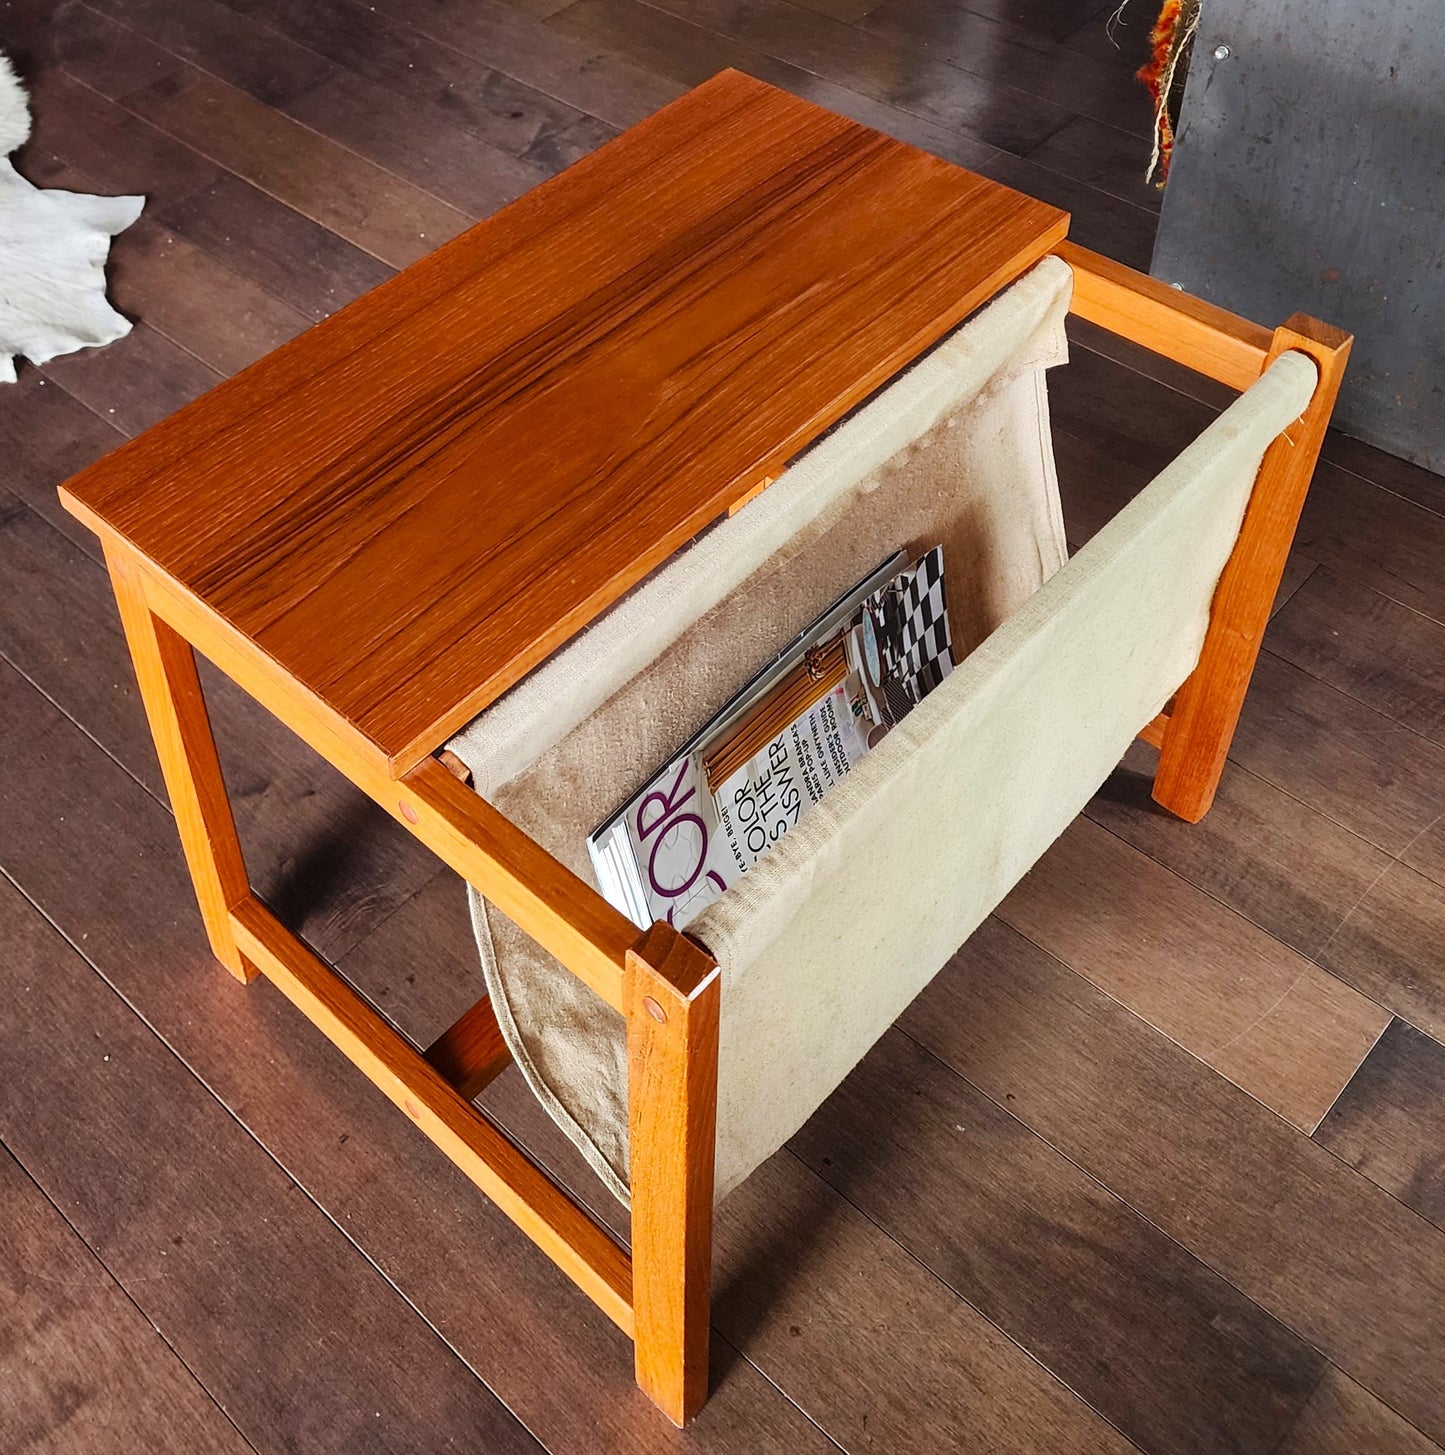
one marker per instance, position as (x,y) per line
(1310,175)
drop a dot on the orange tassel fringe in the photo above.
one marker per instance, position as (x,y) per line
(1166,41)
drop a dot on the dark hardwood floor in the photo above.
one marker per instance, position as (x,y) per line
(1156,1164)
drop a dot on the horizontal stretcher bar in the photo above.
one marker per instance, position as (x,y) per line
(1153,731)
(580,1247)
(471,1052)
(1199,335)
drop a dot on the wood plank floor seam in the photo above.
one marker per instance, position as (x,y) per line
(1205,391)
(93,178)
(60,708)
(936,1277)
(951,982)
(176,342)
(225,1054)
(1080,1167)
(60,1213)
(288,107)
(1143,212)
(961,1292)
(174,336)
(1386,1123)
(1396,856)
(500,60)
(1329,1371)
(1023,100)
(240,176)
(268,23)
(1314,954)
(1402,727)
(90,408)
(1345,918)
(1183,1050)
(1433,509)
(1343,1092)
(1310,953)
(370,248)
(1208,1027)
(1387,654)
(366,1257)
(153,1036)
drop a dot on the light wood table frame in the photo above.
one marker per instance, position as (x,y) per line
(665,987)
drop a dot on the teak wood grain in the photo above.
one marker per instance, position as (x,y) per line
(809,1288)
(412,504)
(1201,334)
(563,913)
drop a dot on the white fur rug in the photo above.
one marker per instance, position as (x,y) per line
(53,247)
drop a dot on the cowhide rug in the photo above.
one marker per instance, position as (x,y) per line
(53,247)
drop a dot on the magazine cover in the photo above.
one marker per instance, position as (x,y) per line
(793,732)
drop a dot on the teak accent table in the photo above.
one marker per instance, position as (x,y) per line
(382,526)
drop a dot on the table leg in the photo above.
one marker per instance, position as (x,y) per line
(1207,707)
(165,669)
(672,1039)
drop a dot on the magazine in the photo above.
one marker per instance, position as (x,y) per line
(794,731)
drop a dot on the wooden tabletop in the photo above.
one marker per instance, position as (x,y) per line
(409,506)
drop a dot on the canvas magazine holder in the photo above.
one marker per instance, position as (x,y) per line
(830,936)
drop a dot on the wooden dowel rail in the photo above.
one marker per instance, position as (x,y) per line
(1193,736)
(582,1248)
